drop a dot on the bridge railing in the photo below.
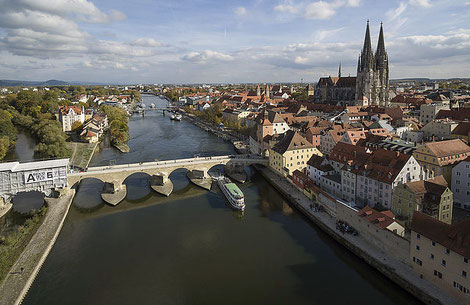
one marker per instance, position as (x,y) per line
(177,161)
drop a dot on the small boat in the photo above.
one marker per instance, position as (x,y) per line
(233,194)
(178,117)
(152,106)
(173,117)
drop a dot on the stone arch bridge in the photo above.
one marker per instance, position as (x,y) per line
(199,166)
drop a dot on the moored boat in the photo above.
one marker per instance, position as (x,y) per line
(178,117)
(233,194)
(173,117)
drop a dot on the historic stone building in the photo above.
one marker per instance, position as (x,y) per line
(371,85)
(372,73)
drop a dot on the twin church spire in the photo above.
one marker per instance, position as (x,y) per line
(372,72)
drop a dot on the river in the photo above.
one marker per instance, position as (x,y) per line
(191,248)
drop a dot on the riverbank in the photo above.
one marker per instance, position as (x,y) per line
(209,128)
(17,283)
(397,271)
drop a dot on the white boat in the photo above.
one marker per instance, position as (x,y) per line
(178,117)
(173,117)
(233,194)
(152,105)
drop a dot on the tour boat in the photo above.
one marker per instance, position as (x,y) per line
(233,194)
(178,117)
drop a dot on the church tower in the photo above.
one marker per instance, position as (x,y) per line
(372,72)
(381,70)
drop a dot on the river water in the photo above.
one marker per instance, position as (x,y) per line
(191,248)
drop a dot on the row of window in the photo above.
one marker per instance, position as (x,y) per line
(462,288)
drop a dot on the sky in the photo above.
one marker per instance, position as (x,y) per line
(208,41)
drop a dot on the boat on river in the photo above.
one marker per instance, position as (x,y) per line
(233,194)
(173,117)
(178,117)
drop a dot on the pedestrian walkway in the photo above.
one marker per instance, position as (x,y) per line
(407,275)
(17,283)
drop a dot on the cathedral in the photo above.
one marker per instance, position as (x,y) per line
(370,87)
(372,73)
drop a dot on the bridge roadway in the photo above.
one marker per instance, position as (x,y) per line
(199,166)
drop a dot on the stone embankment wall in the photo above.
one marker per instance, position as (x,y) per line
(383,239)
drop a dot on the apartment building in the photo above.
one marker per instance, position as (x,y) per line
(440,253)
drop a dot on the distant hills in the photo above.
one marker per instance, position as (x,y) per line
(50,83)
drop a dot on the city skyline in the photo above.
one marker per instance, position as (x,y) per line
(240,41)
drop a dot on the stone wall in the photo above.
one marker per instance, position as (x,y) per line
(383,239)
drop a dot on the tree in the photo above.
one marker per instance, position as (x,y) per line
(77,126)
(4,146)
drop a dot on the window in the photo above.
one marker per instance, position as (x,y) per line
(432,256)
(464,273)
(443,262)
(418,236)
(417,248)
(447,251)
(465,260)
(433,243)
(438,274)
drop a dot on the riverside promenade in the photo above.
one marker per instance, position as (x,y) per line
(15,286)
(395,270)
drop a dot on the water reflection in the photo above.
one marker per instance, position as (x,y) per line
(26,202)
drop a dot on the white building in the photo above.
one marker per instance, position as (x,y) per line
(461,184)
(384,170)
(428,112)
(70,114)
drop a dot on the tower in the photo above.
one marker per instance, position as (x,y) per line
(267,92)
(339,70)
(372,72)
(258,91)
(381,70)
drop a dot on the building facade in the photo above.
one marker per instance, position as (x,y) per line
(461,184)
(440,253)
(431,197)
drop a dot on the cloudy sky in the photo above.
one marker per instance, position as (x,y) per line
(167,41)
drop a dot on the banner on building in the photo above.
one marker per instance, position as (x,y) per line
(38,176)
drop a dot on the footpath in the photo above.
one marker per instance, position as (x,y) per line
(17,283)
(395,270)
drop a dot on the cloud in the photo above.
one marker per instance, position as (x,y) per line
(286,8)
(146,42)
(84,9)
(206,56)
(240,11)
(393,14)
(319,10)
(423,3)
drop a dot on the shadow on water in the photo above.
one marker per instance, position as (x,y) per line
(138,187)
(274,206)
(26,202)
(88,195)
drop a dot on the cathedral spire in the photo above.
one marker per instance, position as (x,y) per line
(339,70)
(367,44)
(381,43)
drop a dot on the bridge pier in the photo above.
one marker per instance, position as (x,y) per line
(161,184)
(113,192)
(201,178)
(236,172)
